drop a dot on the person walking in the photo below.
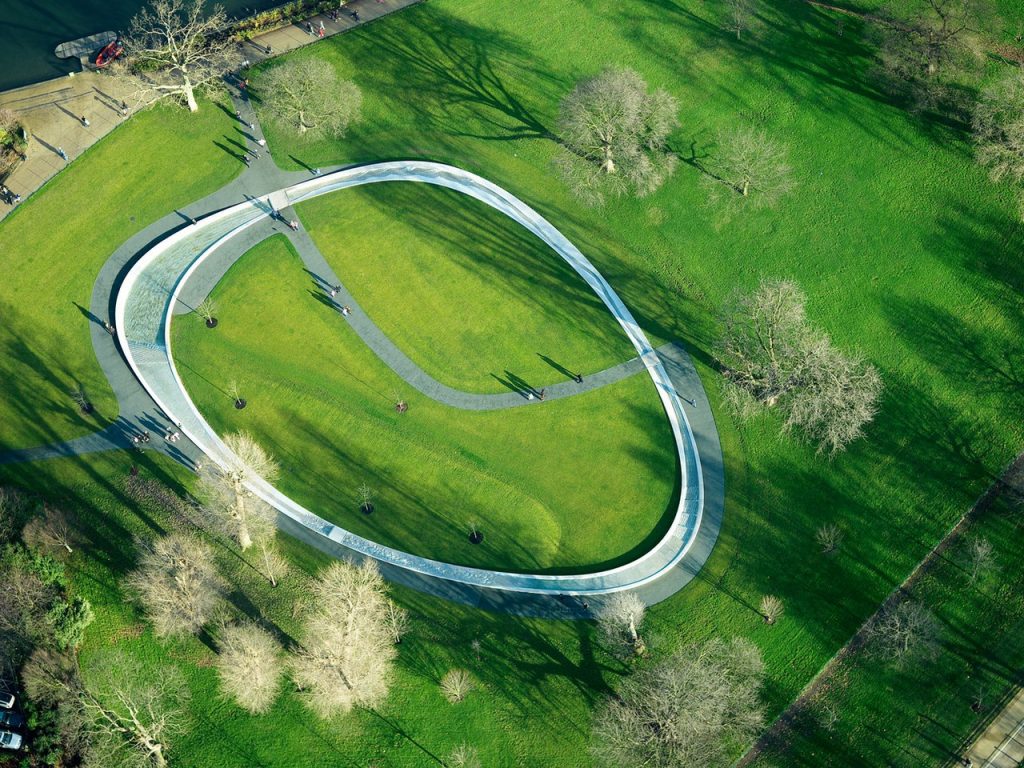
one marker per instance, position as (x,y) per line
(85,121)
(578,378)
(294,225)
(317,171)
(62,153)
(320,32)
(246,160)
(543,394)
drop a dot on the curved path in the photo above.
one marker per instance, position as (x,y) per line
(154,284)
(139,411)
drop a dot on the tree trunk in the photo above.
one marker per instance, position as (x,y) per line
(639,647)
(745,187)
(190,95)
(244,539)
(608,163)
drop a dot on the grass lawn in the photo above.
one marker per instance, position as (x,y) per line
(53,247)
(474,298)
(535,680)
(906,251)
(567,484)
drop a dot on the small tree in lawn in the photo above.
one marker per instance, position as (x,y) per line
(614,132)
(829,537)
(307,96)
(740,16)
(174,47)
(456,685)
(750,169)
(250,665)
(619,618)
(979,558)
(269,560)
(235,509)
(365,494)
(207,309)
(771,608)
(905,631)
(51,531)
(464,756)
(177,584)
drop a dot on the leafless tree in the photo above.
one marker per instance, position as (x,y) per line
(13,505)
(207,309)
(456,685)
(619,618)
(249,664)
(998,125)
(829,538)
(613,133)
(749,169)
(236,510)
(905,631)
(771,355)
(51,680)
(348,653)
(740,16)
(174,47)
(396,620)
(135,712)
(693,708)
(464,756)
(923,50)
(979,558)
(771,608)
(24,602)
(269,561)
(51,531)
(177,584)
(307,96)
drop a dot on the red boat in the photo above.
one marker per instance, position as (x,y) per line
(111,51)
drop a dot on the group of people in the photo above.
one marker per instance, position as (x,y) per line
(11,198)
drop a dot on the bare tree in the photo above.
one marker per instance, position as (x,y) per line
(922,53)
(829,537)
(771,608)
(619,618)
(270,562)
(174,48)
(998,125)
(464,756)
(207,309)
(771,355)
(905,631)
(307,96)
(740,16)
(177,584)
(236,510)
(693,708)
(979,558)
(51,680)
(456,685)
(249,664)
(749,169)
(13,505)
(134,713)
(396,620)
(348,653)
(613,133)
(51,531)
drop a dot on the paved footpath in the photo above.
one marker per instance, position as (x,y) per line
(1002,743)
(51,110)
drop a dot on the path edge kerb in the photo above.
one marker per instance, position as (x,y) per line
(651,565)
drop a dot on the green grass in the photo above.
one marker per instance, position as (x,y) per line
(536,680)
(467,293)
(53,247)
(567,484)
(905,249)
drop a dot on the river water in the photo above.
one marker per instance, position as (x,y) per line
(30,30)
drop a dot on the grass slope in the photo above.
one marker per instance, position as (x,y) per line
(52,249)
(566,484)
(477,301)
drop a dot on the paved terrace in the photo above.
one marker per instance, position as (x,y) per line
(150,292)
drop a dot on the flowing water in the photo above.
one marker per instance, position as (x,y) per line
(31,29)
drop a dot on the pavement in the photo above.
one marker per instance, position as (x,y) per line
(51,111)
(1002,743)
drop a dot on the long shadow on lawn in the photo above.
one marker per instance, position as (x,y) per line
(443,65)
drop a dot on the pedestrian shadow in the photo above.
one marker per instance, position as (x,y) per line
(69,113)
(46,144)
(558,367)
(305,165)
(517,384)
(88,313)
(227,149)
(318,281)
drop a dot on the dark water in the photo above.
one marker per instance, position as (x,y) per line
(29,31)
